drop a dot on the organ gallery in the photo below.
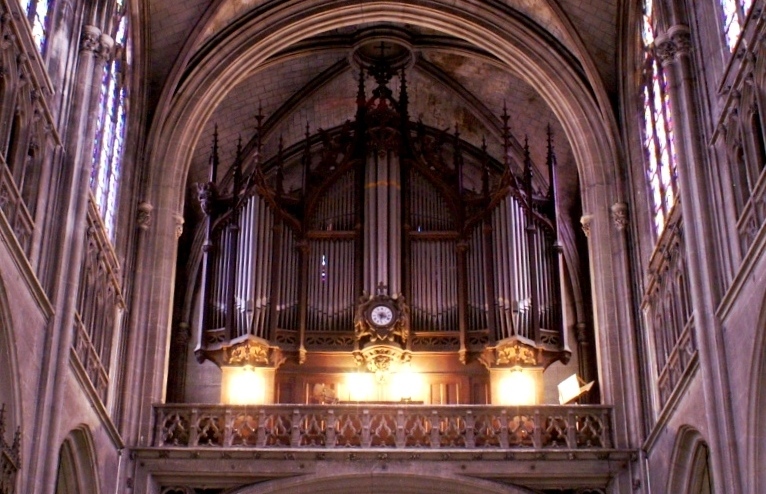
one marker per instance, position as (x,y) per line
(382,247)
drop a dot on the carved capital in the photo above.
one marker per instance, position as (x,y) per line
(620,215)
(179,221)
(673,45)
(183,334)
(105,46)
(664,50)
(585,221)
(144,215)
(681,38)
(581,333)
(89,41)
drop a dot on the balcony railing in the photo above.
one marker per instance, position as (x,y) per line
(396,426)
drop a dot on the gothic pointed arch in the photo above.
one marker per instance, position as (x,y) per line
(77,467)
(756,448)
(11,416)
(690,467)
(380,483)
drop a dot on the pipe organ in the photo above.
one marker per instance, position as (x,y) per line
(377,247)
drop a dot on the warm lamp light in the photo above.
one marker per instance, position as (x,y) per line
(407,384)
(571,388)
(360,386)
(244,386)
(518,388)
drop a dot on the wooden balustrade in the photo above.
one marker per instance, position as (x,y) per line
(363,426)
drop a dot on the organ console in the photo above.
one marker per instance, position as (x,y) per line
(380,240)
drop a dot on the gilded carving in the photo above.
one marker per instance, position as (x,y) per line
(248,353)
(516,353)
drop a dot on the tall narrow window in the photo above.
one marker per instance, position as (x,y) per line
(110,133)
(659,143)
(733,13)
(39,16)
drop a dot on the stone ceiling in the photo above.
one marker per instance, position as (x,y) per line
(450,83)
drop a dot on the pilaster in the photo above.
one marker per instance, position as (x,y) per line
(673,49)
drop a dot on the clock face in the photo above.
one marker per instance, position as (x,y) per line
(381,315)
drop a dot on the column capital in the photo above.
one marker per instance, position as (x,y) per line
(681,37)
(620,215)
(90,39)
(105,45)
(673,44)
(144,215)
(179,221)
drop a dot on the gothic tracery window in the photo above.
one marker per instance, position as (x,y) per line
(733,13)
(659,146)
(110,133)
(39,16)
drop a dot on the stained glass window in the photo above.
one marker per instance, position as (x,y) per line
(39,13)
(659,145)
(110,132)
(733,12)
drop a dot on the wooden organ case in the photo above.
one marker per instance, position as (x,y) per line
(377,244)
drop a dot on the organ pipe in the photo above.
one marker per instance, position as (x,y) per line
(376,213)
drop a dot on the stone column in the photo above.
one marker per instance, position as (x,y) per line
(673,51)
(95,48)
(613,324)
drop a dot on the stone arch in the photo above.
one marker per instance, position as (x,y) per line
(590,130)
(379,483)
(756,414)
(689,466)
(77,466)
(271,28)
(10,394)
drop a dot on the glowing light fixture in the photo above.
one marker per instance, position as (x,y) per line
(571,388)
(407,384)
(243,386)
(518,388)
(360,385)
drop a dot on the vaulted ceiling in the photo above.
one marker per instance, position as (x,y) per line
(452,82)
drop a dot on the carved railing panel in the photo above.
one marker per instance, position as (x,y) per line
(668,309)
(99,304)
(384,426)
(753,215)
(26,124)
(740,132)
(12,205)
